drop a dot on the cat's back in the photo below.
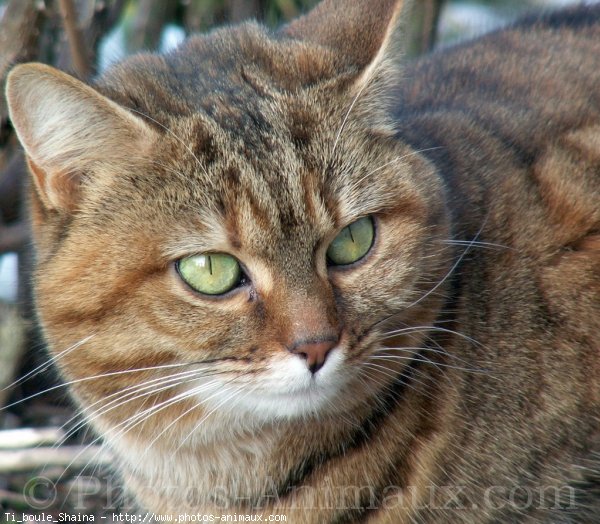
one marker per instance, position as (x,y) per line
(512,123)
(513,120)
(536,77)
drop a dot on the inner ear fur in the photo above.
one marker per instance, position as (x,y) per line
(69,130)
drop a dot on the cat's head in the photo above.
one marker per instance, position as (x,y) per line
(232,229)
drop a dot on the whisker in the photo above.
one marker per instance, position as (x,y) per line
(45,365)
(345,120)
(397,159)
(138,418)
(399,378)
(421,358)
(144,415)
(177,398)
(189,149)
(439,351)
(489,245)
(450,271)
(185,413)
(205,417)
(94,377)
(418,329)
(127,395)
(148,395)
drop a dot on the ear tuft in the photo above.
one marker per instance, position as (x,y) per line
(68,129)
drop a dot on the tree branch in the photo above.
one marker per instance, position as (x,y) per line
(73,457)
(114,13)
(12,342)
(14,233)
(30,437)
(240,10)
(13,238)
(79,54)
(423,30)
(11,186)
(149,21)
(19,32)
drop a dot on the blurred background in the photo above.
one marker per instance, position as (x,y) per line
(84,37)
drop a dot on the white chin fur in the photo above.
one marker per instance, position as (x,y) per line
(285,390)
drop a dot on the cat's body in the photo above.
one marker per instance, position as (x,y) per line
(453,371)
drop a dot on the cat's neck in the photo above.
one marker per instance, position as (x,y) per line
(278,467)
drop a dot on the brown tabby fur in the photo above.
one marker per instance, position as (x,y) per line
(481,166)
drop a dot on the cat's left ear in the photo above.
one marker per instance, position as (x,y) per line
(366,37)
(70,132)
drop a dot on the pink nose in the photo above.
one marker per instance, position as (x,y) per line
(315,353)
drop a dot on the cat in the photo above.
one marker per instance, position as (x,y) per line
(291,274)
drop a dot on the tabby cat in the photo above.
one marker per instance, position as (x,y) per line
(290,273)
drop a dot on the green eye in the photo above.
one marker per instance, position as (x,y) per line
(211,274)
(352,243)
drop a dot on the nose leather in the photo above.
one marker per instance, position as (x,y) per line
(315,352)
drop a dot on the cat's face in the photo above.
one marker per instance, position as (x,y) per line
(294,316)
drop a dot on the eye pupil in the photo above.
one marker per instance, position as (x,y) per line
(352,243)
(350,231)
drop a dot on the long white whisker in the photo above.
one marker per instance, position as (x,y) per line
(450,271)
(138,418)
(94,377)
(421,358)
(177,382)
(127,395)
(344,121)
(477,243)
(185,413)
(397,159)
(419,329)
(42,367)
(205,417)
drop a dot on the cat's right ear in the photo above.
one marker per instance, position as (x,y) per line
(68,131)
